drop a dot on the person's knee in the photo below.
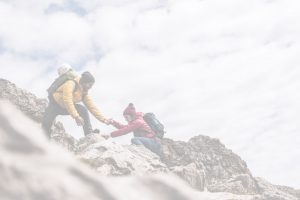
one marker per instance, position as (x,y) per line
(136,141)
(133,140)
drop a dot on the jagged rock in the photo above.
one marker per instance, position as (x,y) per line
(34,108)
(87,141)
(31,168)
(60,136)
(221,170)
(192,175)
(203,162)
(273,192)
(110,158)
(289,190)
(25,101)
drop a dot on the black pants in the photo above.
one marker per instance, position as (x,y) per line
(53,110)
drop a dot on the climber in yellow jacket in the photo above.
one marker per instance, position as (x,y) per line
(65,101)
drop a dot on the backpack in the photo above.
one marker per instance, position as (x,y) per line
(69,75)
(154,124)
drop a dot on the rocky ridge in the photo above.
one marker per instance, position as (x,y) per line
(204,163)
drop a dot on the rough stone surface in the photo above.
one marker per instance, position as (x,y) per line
(192,175)
(211,163)
(274,192)
(34,108)
(25,101)
(110,158)
(32,168)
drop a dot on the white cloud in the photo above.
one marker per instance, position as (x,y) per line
(228,69)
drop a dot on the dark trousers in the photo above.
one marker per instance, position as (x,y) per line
(149,143)
(53,110)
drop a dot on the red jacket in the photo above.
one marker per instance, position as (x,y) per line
(138,126)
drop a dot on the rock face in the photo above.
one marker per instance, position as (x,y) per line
(275,192)
(31,168)
(25,101)
(34,108)
(204,163)
(207,164)
(109,158)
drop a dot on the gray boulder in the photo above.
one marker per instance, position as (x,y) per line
(27,102)
(210,166)
(109,158)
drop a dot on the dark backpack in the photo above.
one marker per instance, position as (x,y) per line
(154,124)
(70,75)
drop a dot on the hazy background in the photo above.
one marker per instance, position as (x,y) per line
(224,68)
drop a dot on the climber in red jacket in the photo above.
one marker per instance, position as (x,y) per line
(143,134)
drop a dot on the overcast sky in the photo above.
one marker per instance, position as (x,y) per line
(228,69)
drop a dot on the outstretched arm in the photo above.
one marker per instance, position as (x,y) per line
(125,130)
(89,103)
(117,124)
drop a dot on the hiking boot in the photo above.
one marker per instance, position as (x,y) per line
(96,131)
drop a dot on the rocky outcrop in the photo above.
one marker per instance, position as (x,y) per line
(34,108)
(31,168)
(27,102)
(288,190)
(109,158)
(274,192)
(203,162)
(63,139)
(206,163)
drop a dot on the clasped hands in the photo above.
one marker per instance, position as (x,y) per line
(107,122)
(80,122)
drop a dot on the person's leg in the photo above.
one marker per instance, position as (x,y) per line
(152,145)
(50,114)
(83,112)
(149,143)
(136,141)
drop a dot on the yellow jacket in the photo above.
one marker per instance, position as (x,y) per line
(70,93)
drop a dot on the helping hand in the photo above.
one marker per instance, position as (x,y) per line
(108,121)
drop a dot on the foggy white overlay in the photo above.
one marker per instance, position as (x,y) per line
(229,69)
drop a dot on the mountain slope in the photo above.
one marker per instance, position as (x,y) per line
(203,162)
